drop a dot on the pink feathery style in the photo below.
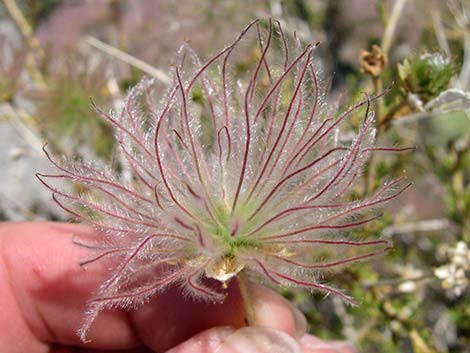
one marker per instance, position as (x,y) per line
(238,165)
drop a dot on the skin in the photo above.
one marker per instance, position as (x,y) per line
(43,294)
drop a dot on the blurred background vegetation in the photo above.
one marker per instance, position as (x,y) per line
(56,54)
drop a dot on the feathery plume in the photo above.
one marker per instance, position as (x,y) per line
(227,177)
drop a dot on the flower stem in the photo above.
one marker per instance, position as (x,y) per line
(378,88)
(246,297)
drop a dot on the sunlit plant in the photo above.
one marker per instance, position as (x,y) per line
(236,170)
(426,75)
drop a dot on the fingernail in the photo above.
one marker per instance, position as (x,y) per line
(314,344)
(259,340)
(205,342)
(344,347)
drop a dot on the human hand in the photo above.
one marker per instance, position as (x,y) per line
(43,293)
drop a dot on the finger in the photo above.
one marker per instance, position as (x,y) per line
(171,318)
(247,339)
(46,290)
(162,329)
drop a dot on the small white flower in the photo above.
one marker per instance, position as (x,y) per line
(455,274)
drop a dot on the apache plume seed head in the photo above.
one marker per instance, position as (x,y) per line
(226,177)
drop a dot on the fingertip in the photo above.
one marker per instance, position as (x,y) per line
(274,311)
